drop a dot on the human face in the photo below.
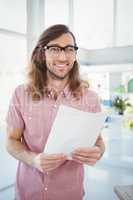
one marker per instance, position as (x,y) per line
(59,65)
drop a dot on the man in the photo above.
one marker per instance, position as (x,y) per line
(53,80)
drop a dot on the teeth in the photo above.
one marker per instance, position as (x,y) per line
(61,65)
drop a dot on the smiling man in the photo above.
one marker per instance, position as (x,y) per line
(53,80)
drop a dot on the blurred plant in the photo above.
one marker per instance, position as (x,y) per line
(120,104)
(129,124)
(120,89)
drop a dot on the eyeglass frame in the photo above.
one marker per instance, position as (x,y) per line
(62,49)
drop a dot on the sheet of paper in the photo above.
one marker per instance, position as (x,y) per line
(73,128)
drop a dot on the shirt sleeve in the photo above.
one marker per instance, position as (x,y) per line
(14,117)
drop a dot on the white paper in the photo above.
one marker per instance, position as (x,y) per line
(73,128)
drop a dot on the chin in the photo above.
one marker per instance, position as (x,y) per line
(61,77)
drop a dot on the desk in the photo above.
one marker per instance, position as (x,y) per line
(124,192)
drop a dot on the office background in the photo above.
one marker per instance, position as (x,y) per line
(104,34)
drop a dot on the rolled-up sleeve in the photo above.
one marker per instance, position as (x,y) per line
(14,117)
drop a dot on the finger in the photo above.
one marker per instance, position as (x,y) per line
(51,167)
(94,149)
(54,156)
(85,161)
(45,160)
(51,164)
(84,158)
(48,169)
(52,161)
(90,155)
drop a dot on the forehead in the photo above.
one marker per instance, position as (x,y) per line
(63,40)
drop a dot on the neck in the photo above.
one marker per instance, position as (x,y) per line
(58,85)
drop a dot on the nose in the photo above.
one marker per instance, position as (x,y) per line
(62,55)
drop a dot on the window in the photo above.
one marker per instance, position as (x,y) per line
(56,12)
(12,48)
(12,64)
(13,15)
(93,23)
(124,21)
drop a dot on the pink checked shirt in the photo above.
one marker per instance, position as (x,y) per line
(36,119)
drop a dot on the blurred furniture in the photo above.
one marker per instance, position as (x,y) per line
(124,192)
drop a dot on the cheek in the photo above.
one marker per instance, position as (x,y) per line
(72,62)
(49,62)
(47,59)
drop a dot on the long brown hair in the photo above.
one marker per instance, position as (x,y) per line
(37,69)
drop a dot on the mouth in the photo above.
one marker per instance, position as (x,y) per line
(61,65)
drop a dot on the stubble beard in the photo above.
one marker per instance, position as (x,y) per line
(56,77)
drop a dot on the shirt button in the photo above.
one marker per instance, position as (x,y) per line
(45,188)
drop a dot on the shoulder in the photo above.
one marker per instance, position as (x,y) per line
(92,99)
(20,91)
(23,88)
(89,93)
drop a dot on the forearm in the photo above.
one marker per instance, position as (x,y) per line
(20,152)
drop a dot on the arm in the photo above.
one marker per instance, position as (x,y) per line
(19,151)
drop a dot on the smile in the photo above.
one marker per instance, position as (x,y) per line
(61,65)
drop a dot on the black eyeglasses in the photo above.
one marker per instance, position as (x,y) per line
(55,50)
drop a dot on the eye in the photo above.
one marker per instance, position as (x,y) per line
(70,49)
(54,49)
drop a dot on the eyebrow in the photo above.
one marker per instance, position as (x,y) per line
(63,48)
(57,45)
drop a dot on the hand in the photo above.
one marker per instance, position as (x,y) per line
(87,155)
(48,162)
